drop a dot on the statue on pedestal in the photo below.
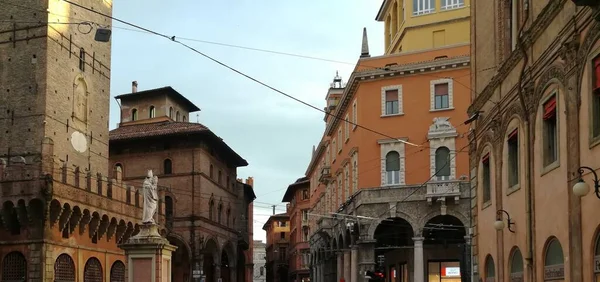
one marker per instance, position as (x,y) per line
(150,192)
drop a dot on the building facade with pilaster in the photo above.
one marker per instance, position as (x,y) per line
(297,196)
(277,229)
(389,179)
(534,140)
(208,210)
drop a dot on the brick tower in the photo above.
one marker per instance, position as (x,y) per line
(61,215)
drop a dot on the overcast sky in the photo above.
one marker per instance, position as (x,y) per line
(274,133)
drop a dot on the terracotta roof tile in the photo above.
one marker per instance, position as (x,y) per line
(155,129)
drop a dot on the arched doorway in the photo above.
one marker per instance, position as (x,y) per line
(225,267)
(241,266)
(445,248)
(210,256)
(180,261)
(394,248)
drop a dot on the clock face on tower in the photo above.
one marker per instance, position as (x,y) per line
(79,142)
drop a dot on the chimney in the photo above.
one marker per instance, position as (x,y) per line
(134,86)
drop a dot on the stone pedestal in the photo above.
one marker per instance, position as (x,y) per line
(148,256)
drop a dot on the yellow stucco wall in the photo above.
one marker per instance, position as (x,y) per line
(418,32)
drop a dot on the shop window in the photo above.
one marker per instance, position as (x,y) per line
(490,270)
(516,267)
(444,271)
(513,158)
(554,261)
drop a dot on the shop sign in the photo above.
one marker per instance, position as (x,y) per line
(554,272)
(516,277)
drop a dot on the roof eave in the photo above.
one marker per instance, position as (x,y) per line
(380,14)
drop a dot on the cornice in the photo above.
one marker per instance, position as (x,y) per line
(317,156)
(391,72)
(529,37)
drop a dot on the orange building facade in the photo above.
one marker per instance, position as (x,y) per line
(277,229)
(389,179)
(298,197)
(535,154)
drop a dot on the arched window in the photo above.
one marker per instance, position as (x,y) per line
(228,216)
(490,269)
(92,271)
(134,114)
(392,168)
(14,267)
(211,208)
(597,256)
(82,59)
(64,268)
(220,177)
(220,213)
(171,112)
(168,207)
(118,171)
(177,116)
(168,166)
(554,261)
(516,266)
(442,163)
(117,272)
(184,118)
(152,112)
(211,172)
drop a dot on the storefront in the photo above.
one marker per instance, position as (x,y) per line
(443,271)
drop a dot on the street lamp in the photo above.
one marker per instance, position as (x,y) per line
(581,188)
(499,224)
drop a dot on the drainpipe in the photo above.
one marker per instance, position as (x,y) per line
(529,153)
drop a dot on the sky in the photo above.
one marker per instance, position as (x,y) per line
(275,134)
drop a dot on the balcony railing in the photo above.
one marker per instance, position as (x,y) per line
(443,189)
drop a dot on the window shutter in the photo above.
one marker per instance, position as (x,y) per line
(391,95)
(513,134)
(441,89)
(597,75)
(550,108)
(486,158)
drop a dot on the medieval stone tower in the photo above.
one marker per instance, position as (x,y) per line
(55,81)
(62,216)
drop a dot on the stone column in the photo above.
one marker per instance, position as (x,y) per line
(419,264)
(340,266)
(217,272)
(347,259)
(148,256)
(366,257)
(354,264)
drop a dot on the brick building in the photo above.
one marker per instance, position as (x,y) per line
(298,197)
(534,140)
(389,179)
(62,216)
(277,229)
(208,210)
